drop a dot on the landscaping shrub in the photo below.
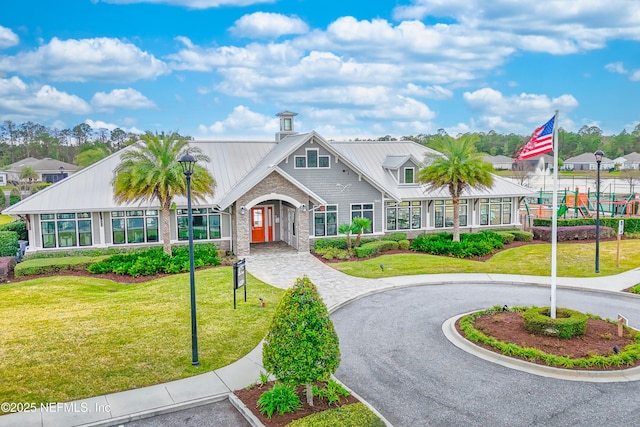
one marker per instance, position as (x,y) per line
(153,261)
(331,253)
(53,265)
(301,346)
(337,242)
(19,227)
(404,244)
(470,245)
(567,324)
(332,391)
(521,236)
(395,236)
(281,398)
(375,247)
(627,356)
(8,243)
(579,232)
(631,225)
(506,237)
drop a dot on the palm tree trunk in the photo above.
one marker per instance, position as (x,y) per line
(166,228)
(456,218)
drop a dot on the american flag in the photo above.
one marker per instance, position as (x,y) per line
(541,141)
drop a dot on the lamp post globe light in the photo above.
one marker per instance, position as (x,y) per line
(599,154)
(188,162)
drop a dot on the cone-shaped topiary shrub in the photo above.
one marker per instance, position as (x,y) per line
(301,346)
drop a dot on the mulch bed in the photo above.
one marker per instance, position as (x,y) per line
(250,398)
(599,338)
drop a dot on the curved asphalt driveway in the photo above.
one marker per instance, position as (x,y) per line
(395,355)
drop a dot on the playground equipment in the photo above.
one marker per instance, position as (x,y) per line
(574,204)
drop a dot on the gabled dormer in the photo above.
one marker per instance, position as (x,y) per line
(286,124)
(403,168)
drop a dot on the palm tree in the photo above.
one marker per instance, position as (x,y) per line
(150,170)
(26,177)
(358,226)
(346,230)
(458,168)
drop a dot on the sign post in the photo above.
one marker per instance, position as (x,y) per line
(239,280)
(620,233)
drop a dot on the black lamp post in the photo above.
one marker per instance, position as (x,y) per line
(61,168)
(599,154)
(188,162)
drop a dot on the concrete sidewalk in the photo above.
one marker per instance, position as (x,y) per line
(278,270)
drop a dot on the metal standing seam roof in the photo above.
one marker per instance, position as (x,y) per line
(237,166)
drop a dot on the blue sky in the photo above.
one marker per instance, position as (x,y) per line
(222,69)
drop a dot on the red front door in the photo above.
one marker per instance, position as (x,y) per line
(257,224)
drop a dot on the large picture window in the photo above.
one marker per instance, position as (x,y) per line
(363,210)
(66,230)
(495,211)
(443,211)
(206,224)
(404,215)
(325,220)
(138,226)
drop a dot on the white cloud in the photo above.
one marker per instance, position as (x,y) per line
(99,124)
(193,4)
(267,25)
(508,113)
(121,98)
(20,101)
(616,67)
(241,122)
(97,59)
(7,38)
(634,76)
(430,92)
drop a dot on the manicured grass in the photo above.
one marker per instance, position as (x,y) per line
(574,260)
(66,338)
(356,415)
(5,219)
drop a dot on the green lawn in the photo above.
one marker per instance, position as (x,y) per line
(5,219)
(66,338)
(574,260)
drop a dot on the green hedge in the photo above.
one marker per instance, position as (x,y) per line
(521,236)
(470,244)
(395,236)
(8,243)
(53,265)
(631,225)
(375,247)
(154,261)
(19,227)
(354,415)
(506,237)
(567,324)
(404,244)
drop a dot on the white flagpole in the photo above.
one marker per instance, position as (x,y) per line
(554,221)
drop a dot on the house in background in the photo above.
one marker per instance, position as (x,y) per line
(587,162)
(48,170)
(629,161)
(296,189)
(499,162)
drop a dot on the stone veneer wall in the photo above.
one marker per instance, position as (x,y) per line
(274,183)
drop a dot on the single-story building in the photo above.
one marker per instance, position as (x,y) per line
(499,162)
(629,161)
(587,162)
(296,188)
(48,170)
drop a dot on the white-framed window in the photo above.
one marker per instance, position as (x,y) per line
(443,213)
(495,211)
(404,215)
(312,160)
(138,226)
(409,175)
(206,224)
(363,210)
(65,230)
(287,124)
(325,221)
